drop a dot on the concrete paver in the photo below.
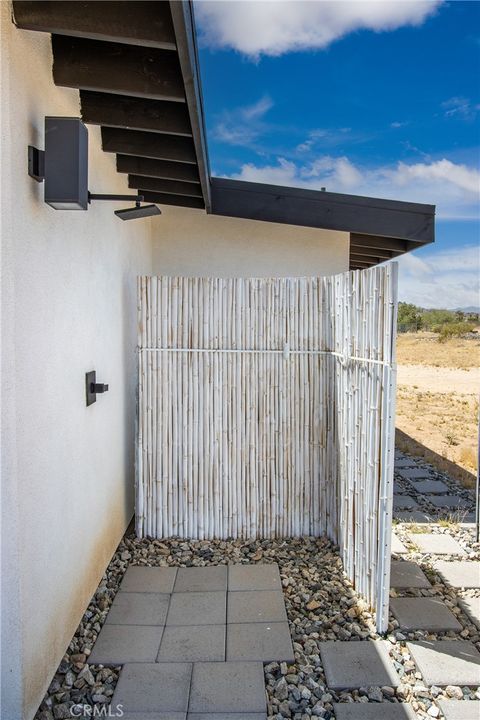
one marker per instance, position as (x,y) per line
(406,574)
(148,579)
(431,487)
(446,662)
(373,711)
(404,502)
(197,608)
(398,548)
(459,709)
(201,579)
(413,473)
(131,608)
(423,614)
(192,643)
(256,606)
(436,543)
(259,641)
(153,687)
(349,665)
(253,577)
(459,573)
(227,687)
(447,501)
(119,644)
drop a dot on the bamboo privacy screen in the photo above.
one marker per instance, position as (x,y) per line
(266,410)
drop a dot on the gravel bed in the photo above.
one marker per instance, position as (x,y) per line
(321,605)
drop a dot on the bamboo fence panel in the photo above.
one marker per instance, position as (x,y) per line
(265,409)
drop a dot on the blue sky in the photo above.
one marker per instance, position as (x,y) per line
(369,98)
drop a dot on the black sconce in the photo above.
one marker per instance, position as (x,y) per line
(92,388)
(63,165)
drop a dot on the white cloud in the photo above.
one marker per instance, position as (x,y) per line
(269,27)
(441,279)
(452,187)
(460,107)
(395,125)
(243,125)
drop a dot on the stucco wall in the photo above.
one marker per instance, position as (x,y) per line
(189,242)
(68,306)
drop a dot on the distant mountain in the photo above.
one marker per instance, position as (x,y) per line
(469,309)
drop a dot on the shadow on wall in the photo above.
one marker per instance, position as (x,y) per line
(129,325)
(408,444)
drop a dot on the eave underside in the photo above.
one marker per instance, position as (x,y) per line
(135,65)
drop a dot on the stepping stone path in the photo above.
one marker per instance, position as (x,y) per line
(193,641)
(436,543)
(432,491)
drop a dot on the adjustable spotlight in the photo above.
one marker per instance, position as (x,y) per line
(63,165)
(129,213)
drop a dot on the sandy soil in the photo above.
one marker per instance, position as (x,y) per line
(438,387)
(427,378)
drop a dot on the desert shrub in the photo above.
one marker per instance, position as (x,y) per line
(451,330)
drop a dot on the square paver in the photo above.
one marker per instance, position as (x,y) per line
(172,715)
(446,662)
(201,579)
(199,608)
(254,577)
(357,664)
(459,709)
(154,688)
(397,547)
(131,608)
(148,579)
(471,608)
(259,641)
(414,473)
(192,643)
(404,502)
(256,606)
(373,711)
(119,644)
(431,487)
(436,544)
(226,716)
(227,687)
(459,573)
(423,614)
(402,461)
(404,574)
(447,501)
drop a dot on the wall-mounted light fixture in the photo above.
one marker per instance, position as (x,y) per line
(63,165)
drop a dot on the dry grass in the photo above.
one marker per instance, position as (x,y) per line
(424,349)
(440,423)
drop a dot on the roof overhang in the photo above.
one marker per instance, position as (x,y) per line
(136,67)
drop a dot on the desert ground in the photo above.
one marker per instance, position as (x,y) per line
(438,387)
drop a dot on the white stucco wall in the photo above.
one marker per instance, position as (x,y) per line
(189,242)
(68,306)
